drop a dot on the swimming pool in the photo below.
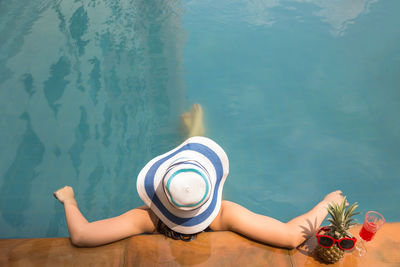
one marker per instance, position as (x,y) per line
(303,96)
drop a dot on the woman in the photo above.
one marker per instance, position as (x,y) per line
(182,190)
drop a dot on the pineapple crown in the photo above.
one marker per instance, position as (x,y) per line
(341,219)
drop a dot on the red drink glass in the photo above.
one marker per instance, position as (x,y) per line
(368,231)
(372,223)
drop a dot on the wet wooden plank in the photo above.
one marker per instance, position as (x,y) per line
(58,252)
(383,250)
(209,249)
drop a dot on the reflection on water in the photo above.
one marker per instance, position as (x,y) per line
(87,88)
(337,13)
(20,175)
(55,86)
(340,13)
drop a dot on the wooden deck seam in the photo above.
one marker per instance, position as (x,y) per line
(290,257)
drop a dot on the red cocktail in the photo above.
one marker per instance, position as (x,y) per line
(368,231)
(373,221)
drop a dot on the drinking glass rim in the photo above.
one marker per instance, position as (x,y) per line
(371,211)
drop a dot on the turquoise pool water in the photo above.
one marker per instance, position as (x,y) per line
(303,95)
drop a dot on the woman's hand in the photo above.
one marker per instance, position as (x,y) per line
(65,194)
(334,197)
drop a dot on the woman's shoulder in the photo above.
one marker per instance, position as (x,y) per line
(219,223)
(148,218)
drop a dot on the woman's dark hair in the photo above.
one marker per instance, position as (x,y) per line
(168,232)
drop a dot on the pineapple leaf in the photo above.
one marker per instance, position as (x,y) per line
(351,221)
(331,213)
(343,204)
(341,218)
(350,211)
(331,221)
(351,224)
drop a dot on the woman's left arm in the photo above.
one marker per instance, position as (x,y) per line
(89,234)
(268,230)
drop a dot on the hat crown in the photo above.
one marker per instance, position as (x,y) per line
(187,184)
(202,154)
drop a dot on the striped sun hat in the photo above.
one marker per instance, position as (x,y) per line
(183,187)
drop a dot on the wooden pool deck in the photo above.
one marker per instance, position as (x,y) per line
(210,249)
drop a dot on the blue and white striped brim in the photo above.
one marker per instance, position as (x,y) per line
(183,187)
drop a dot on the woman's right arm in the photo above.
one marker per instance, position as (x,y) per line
(236,218)
(88,234)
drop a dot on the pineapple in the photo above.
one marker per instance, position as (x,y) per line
(340,221)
